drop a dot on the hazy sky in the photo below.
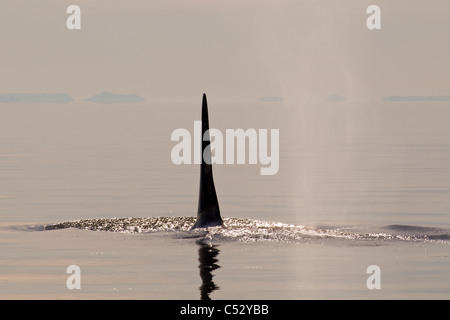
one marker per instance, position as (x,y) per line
(235,50)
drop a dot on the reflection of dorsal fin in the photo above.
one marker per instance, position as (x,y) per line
(208,214)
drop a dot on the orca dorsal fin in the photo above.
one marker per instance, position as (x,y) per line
(208,214)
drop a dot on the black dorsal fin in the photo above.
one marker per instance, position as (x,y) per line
(208,214)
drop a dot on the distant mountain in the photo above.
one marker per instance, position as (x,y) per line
(108,97)
(416,98)
(35,98)
(336,98)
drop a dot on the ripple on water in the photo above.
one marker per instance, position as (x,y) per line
(239,229)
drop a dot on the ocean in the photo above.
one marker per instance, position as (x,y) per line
(93,185)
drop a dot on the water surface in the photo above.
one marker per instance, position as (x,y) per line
(358,185)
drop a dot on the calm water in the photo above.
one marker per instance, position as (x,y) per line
(375,169)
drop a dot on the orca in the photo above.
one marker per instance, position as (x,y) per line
(208,213)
